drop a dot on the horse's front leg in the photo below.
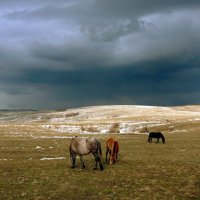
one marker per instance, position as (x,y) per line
(82,162)
(157,140)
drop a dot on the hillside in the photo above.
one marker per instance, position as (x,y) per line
(108,119)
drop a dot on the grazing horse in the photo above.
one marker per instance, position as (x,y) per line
(84,146)
(157,135)
(112,147)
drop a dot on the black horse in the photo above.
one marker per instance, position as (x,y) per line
(157,135)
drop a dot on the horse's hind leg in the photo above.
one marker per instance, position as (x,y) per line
(73,159)
(116,157)
(82,162)
(96,160)
(100,164)
(157,140)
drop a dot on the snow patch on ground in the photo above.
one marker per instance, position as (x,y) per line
(178,131)
(123,128)
(56,158)
(38,147)
(5,159)
(62,128)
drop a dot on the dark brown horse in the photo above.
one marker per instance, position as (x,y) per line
(112,147)
(84,146)
(156,135)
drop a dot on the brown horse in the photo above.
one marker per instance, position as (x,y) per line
(112,147)
(84,146)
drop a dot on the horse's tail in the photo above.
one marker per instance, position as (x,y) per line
(99,155)
(163,138)
(100,150)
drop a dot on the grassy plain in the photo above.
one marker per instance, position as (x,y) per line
(144,171)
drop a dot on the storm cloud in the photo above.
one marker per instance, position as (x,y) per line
(78,53)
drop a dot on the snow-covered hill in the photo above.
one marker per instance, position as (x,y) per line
(107,119)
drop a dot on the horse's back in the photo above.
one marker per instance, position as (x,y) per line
(155,134)
(110,143)
(79,146)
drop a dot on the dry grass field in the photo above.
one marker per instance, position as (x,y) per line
(35,164)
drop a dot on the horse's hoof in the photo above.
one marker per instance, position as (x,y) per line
(94,168)
(72,167)
(83,167)
(101,169)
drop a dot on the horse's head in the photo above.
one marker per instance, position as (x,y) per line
(112,159)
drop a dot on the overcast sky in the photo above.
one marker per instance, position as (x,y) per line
(74,53)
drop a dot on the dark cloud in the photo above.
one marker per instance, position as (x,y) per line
(76,53)
(105,86)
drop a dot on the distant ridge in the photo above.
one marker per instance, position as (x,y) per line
(18,110)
